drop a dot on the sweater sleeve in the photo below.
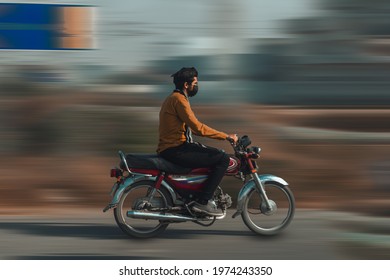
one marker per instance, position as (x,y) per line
(186,114)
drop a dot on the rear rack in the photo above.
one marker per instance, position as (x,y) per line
(123,159)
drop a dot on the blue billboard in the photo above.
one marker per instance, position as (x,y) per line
(46,27)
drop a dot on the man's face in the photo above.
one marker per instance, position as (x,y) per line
(192,89)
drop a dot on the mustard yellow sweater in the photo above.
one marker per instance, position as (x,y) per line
(175,116)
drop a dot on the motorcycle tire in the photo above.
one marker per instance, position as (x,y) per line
(134,196)
(262,221)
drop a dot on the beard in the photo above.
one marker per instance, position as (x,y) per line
(193,92)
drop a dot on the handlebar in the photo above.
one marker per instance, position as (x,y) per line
(241,146)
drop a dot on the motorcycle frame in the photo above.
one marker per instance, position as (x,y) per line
(256,183)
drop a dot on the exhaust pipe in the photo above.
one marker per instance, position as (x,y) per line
(159,216)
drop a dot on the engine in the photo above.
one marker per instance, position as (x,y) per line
(223,200)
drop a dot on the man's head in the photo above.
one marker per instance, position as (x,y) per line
(186,79)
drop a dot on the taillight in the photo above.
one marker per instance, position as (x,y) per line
(116,172)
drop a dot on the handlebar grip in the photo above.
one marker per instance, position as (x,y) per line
(231,140)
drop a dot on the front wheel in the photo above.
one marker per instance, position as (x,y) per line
(265,221)
(134,198)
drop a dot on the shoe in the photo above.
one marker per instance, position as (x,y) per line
(210,208)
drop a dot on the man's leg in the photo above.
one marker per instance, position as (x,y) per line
(195,155)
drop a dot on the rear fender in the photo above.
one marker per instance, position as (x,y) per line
(251,185)
(119,188)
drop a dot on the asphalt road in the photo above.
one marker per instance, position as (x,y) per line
(94,235)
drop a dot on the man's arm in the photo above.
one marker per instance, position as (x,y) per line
(186,114)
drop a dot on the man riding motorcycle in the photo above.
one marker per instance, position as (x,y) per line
(177,123)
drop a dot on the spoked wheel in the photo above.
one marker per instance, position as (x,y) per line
(264,221)
(135,198)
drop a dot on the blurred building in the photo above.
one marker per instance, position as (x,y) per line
(339,58)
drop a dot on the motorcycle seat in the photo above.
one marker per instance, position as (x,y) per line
(153,161)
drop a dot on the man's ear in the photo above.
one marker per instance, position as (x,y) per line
(186,85)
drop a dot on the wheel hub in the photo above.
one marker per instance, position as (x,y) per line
(268,211)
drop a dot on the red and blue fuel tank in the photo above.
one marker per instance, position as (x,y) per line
(234,166)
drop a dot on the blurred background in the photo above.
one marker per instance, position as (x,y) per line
(307,80)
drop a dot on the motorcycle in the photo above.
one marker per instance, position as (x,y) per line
(150,193)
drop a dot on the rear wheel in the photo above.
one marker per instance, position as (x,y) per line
(265,221)
(135,198)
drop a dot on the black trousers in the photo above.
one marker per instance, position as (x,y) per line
(195,155)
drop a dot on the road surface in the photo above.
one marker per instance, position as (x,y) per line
(94,235)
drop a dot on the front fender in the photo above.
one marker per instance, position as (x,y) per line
(250,185)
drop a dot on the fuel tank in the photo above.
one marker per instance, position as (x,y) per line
(234,166)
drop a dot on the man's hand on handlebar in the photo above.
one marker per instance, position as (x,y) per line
(232,138)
